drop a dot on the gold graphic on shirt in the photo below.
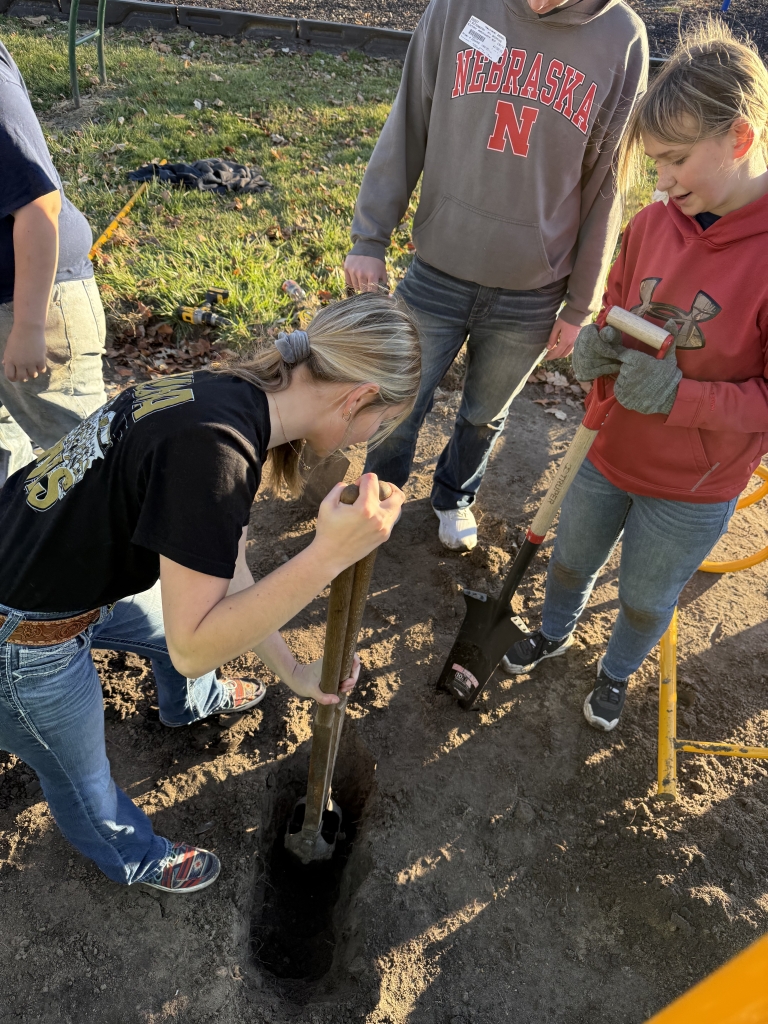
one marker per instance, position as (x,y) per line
(61,467)
(162,394)
(689,333)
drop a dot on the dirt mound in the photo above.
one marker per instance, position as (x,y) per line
(506,864)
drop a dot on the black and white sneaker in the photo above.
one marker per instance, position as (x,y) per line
(526,654)
(603,706)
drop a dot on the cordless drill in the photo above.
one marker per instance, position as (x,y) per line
(203,314)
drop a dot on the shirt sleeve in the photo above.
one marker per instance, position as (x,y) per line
(27,169)
(601,204)
(398,157)
(198,487)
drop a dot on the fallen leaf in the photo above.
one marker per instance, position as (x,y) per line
(215,77)
(123,371)
(218,103)
(558,413)
(229,149)
(360,98)
(198,104)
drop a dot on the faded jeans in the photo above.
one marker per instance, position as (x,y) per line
(52,717)
(45,408)
(662,545)
(506,334)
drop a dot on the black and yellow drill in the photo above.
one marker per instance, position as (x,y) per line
(204,314)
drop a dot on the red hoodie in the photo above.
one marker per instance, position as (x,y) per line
(714,285)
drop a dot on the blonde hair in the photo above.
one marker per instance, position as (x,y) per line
(710,81)
(366,339)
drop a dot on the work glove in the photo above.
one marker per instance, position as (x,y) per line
(646,384)
(596,353)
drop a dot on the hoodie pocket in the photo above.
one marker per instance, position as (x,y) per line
(468,243)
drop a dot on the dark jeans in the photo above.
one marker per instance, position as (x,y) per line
(506,333)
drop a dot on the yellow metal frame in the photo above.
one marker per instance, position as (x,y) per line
(669,744)
(736,993)
(744,502)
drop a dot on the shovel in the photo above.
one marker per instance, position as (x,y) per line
(314,826)
(489,628)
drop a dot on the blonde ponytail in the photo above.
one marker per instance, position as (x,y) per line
(366,339)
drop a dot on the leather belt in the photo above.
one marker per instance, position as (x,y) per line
(47,632)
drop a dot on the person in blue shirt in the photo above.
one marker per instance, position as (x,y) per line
(52,327)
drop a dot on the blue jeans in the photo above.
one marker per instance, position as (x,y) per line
(52,717)
(663,544)
(506,334)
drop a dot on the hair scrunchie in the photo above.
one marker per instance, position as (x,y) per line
(293,347)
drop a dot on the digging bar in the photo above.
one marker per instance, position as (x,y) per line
(316,840)
(489,628)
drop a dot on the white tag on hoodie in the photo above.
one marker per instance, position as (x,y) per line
(484,38)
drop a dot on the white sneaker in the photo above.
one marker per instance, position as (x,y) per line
(458,528)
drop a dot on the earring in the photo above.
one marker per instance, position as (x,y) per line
(348,417)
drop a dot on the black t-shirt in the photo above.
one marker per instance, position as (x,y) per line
(28,174)
(168,467)
(706,220)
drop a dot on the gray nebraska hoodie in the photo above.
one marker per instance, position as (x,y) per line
(518,190)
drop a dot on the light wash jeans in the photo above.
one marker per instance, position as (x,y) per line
(662,545)
(506,334)
(52,717)
(47,407)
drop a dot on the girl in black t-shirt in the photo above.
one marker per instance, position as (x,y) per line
(130,533)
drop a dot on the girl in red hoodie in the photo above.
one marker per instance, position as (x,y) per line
(687,431)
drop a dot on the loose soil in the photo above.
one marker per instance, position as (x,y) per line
(504,864)
(661,17)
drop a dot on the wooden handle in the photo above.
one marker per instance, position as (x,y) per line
(566,471)
(638,328)
(351,493)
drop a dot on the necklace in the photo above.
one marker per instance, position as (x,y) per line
(299,454)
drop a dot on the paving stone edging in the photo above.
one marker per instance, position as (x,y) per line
(325,35)
(136,14)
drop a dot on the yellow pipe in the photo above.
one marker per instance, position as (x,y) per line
(737,564)
(721,749)
(667,752)
(737,993)
(759,492)
(111,228)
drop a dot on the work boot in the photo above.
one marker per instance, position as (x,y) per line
(526,654)
(458,528)
(186,869)
(603,706)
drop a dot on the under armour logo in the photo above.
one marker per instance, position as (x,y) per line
(690,334)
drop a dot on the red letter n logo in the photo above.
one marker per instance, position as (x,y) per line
(463,60)
(509,129)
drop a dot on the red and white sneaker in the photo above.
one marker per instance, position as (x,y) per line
(240,696)
(186,869)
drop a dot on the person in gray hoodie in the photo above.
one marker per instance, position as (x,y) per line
(511,111)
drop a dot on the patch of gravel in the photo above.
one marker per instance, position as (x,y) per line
(661,16)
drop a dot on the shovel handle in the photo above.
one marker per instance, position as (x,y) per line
(349,592)
(638,328)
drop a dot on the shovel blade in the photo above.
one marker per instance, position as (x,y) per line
(309,845)
(486,634)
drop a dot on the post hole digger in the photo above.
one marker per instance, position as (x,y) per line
(490,628)
(314,826)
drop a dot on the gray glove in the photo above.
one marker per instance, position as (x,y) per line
(596,353)
(648,385)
